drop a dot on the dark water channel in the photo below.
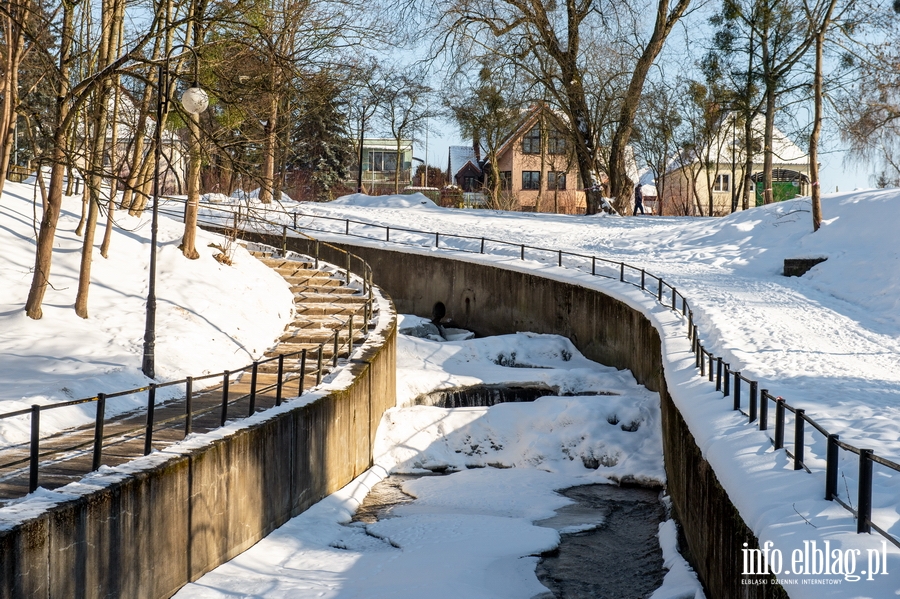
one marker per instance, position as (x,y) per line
(620,559)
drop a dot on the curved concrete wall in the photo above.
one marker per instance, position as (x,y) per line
(492,300)
(151,533)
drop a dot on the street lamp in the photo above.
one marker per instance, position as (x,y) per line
(362,128)
(194,101)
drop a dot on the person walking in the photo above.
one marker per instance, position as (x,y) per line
(638,200)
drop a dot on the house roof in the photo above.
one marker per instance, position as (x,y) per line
(459,157)
(729,138)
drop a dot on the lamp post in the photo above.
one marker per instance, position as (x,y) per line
(194,101)
(362,129)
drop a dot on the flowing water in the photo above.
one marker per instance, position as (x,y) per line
(618,559)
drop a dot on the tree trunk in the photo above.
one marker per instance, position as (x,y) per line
(768,196)
(15,50)
(192,208)
(816,191)
(619,183)
(271,130)
(818,84)
(43,256)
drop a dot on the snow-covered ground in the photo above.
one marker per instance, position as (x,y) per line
(827,342)
(471,533)
(210,317)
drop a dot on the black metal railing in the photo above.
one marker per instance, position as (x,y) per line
(714,368)
(284,377)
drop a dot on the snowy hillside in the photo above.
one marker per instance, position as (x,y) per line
(209,316)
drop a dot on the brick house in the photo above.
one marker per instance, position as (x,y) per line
(537,166)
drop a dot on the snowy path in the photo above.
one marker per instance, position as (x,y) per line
(828,342)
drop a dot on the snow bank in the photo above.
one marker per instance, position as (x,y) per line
(414,200)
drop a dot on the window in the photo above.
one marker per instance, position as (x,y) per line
(506,180)
(531,179)
(723,183)
(470,183)
(382,161)
(556,142)
(531,143)
(556,181)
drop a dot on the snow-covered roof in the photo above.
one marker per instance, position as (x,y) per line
(459,156)
(729,144)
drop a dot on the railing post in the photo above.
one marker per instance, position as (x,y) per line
(764,409)
(779,423)
(253,373)
(295,220)
(522,254)
(302,371)
(437,239)
(317,255)
(284,241)
(719,373)
(188,404)
(673,299)
(334,355)
(280,382)
(659,286)
(594,265)
(864,514)
(710,368)
(387,233)
(98,430)
(831,467)
(348,268)
(691,325)
(798,438)
(702,361)
(347,228)
(643,274)
(726,380)
(35,448)
(621,272)
(319,369)
(683,305)
(350,337)
(226,379)
(754,398)
(151,408)
(559,261)
(482,245)
(737,390)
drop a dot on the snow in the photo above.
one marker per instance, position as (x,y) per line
(471,533)
(828,342)
(62,357)
(415,200)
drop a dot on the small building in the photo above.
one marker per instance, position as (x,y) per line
(382,165)
(537,167)
(718,170)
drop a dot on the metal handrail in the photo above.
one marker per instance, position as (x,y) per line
(35,453)
(719,372)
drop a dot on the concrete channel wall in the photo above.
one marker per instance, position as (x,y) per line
(492,300)
(148,535)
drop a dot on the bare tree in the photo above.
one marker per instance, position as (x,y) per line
(486,112)
(404,109)
(545,40)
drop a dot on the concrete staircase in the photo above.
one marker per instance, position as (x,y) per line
(323,307)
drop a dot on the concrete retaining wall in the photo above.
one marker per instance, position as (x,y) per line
(157,530)
(491,300)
